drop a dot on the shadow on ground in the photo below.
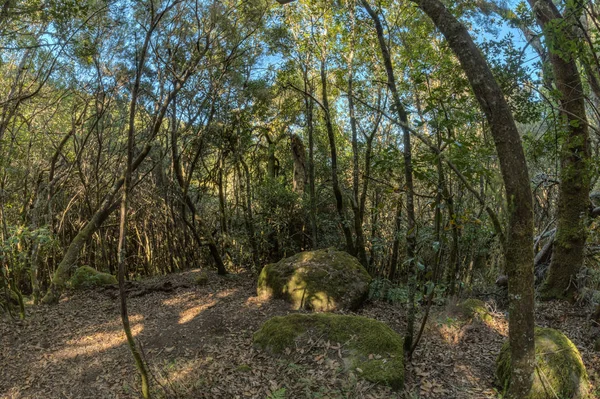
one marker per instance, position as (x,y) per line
(198,342)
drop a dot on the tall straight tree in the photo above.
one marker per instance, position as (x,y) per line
(337,192)
(356,202)
(573,195)
(411,237)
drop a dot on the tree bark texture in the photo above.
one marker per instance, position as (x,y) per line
(573,201)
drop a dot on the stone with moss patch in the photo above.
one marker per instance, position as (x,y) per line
(559,372)
(320,280)
(369,347)
(88,277)
(474,309)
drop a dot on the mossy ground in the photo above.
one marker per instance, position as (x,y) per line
(371,348)
(317,280)
(474,309)
(560,372)
(88,277)
(201,279)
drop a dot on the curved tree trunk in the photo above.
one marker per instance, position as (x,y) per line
(519,259)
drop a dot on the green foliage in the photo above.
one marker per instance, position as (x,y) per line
(15,250)
(278,394)
(514,79)
(276,207)
(588,282)
(382,289)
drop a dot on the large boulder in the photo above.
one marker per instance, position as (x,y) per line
(320,280)
(367,347)
(88,277)
(559,371)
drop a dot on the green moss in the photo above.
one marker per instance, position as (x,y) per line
(369,345)
(474,308)
(383,371)
(559,369)
(317,280)
(87,277)
(201,279)
(244,368)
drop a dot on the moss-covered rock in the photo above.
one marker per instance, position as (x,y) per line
(370,347)
(474,309)
(559,372)
(317,280)
(88,277)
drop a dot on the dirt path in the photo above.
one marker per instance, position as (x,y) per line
(198,341)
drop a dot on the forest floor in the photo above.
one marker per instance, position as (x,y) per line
(198,342)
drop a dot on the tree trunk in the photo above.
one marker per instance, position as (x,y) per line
(337,192)
(299,158)
(396,244)
(568,251)
(519,257)
(411,236)
(249,219)
(122,247)
(356,200)
(309,105)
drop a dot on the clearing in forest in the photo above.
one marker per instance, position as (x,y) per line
(198,342)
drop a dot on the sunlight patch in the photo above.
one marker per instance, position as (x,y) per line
(98,342)
(190,313)
(256,301)
(180,299)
